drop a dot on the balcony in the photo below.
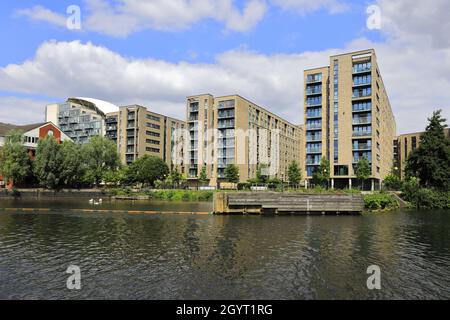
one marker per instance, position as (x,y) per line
(362,68)
(315,78)
(193,118)
(313,90)
(362,83)
(361,93)
(362,133)
(313,150)
(313,126)
(362,107)
(225,124)
(362,120)
(311,115)
(362,146)
(225,114)
(314,138)
(312,162)
(313,103)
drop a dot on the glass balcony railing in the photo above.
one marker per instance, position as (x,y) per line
(362,146)
(313,102)
(312,78)
(313,126)
(225,114)
(314,90)
(314,150)
(313,114)
(225,124)
(362,107)
(364,120)
(362,93)
(314,138)
(362,133)
(362,67)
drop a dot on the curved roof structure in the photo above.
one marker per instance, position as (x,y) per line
(103,106)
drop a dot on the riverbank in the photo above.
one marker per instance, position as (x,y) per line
(372,201)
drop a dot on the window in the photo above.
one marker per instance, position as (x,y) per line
(154,126)
(152,117)
(414,143)
(341,170)
(153,141)
(153,134)
(155,150)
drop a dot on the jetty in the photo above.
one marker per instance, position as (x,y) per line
(276,203)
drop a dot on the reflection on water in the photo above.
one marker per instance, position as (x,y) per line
(224,257)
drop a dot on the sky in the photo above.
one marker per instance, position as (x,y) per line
(157,52)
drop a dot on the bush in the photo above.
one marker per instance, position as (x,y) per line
(244,186)
(393,182)
(380,201)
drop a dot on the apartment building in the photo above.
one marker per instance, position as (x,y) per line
(404,145)
(80,118)
(138,131)
(348,116)
(233,130)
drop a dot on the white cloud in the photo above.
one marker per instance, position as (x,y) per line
(123,17)
(307,6)
(67,69)
(417,81)
(21,110)
(39,13)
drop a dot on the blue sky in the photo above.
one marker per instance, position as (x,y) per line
(281,31)
(156,56)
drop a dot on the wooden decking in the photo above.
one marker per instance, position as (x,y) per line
(287,203)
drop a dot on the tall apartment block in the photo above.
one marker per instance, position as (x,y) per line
(233,130)
(348,116)
(404,145)
(80,118)
(138,131)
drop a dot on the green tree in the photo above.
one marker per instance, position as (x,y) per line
(48,165)
(147,170)
(115,177)
(232,173)
(262,175)
(203,177)
(73,164)
(393,181)
(15,163)
(430,162)
(175,178)
(294,173)
(363,170)
(321,175)
(100,156)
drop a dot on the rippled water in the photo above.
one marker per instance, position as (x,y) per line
(223,257)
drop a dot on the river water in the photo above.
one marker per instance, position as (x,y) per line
(186,256)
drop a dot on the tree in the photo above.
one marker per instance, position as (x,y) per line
(363,170)
(262,175)
(294,173)
(48,165)
(322,174)
(100,156)
(232,173)
(147,170)
(14,161)
(430,162)
(175,178)
(203,177)
(73,164)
